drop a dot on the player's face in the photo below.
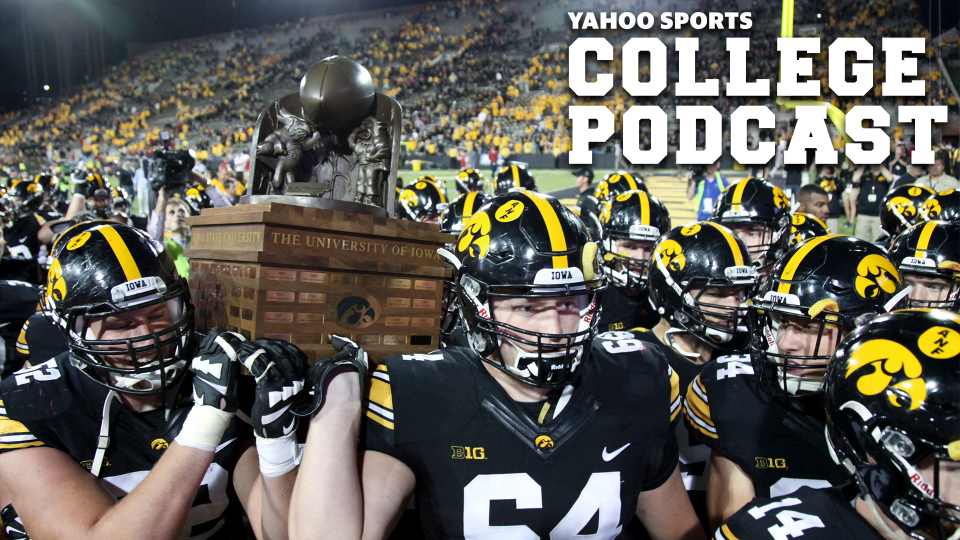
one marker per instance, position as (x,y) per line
(927,288)
(948,487)
(797,336)
(132,325)
(819,206)
(719,300)
(635,249)
(754,236)
(430,218)
(543,315)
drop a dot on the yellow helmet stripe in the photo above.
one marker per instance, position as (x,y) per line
(797,258)
(468,203)
(644,208)
(558,241)
(516,175)
(631,181)
(738,191)
(731,241)
(129,266)
(924,242)
(443,196)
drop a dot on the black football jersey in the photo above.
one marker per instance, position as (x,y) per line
(39,340)
(52,404)
(19,260)
(622,312)
(814,514)
(18,301)
(779,443)
(487,467)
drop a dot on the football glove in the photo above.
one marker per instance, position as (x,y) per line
(348,354)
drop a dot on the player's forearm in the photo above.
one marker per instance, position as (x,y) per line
(277,492)
(327,501)
(159,506)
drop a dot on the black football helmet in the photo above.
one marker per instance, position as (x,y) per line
(514,178)
(470,180)
(422,200)
(900,209)
(8,211)
(616,183)
(931,248)
(803,226)
(198,199)
(28,196)
(460,210)
(754,201)
(526,245)
(893,417)
(99,270)
(631,215)
(121,202)
(701,255)
(944,206)
(829,280)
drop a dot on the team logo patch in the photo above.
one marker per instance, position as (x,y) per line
(939,342)
(914,191)
(475,237)
(543,442)
(876,273)
(509,211)
(671,255)
(624,196)
(799,219)
(159,444)
(468,452)
(78,241)
(357,312)
(879,362)
(690,230)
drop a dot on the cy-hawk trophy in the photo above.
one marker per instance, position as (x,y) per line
(314,250)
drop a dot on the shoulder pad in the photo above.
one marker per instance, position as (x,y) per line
(428,395)
(631,373)
(39,392)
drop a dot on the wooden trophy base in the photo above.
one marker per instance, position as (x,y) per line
(299,274)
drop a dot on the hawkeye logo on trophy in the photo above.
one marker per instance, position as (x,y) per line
(314,245)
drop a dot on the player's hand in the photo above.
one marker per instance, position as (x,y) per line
(349,354)
(216,370)
(279,368)
(84,188)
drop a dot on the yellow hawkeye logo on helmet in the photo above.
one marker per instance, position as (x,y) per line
(931,209)
(878,362)
(605,212)
(56,286)
(409,197)
(671,255)
(780,198)
(475,238)
(876,273)
(902,205)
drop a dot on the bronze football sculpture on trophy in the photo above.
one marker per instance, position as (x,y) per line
(313,249)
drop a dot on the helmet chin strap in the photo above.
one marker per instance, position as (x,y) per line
(129,382)
(879,521)
(532,369)
(793,384)
(668,335)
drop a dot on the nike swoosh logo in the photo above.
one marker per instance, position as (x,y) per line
(222,446)
(24,239)
(289,429)
(607,456)
(268,419)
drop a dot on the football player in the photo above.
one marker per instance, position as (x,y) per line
(28,231)
(119,416)
(514,178)
(631,223)
(711,270)
(612,185)
(900,210)
(928,257)
(892,391)
(761,414)
(469,181)
(803,226)
(422,201)
(524,434)
(759,213)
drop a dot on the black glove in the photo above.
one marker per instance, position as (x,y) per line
(349,354)
(216,370)
(85,188)
(279,369)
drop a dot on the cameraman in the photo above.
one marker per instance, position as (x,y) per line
(173,230)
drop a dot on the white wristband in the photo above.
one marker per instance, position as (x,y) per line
(279,456)
(203,428)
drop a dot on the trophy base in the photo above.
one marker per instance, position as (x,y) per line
(316,202)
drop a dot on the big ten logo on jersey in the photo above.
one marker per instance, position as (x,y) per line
(468,452)
(734,365)
(615,326)
(771,463)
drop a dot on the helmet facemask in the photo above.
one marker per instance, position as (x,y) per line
(765,251)
(626,272)
(928,276)
(544,360)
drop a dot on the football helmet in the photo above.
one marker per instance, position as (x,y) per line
(8,213)
(754,201)
(198,199)
(442,184)
(460,211)
(931,249)
(944,206)
(524,244)
(422,200)
(99,270)
(830,281)
(28,196)
(104,203)
(514,178)
(701,255)
(901,208)
(803,226)
(893,417)
(631,215)
(470,180)
(616,183)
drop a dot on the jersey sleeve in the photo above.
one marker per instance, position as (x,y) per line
(23,348)
(675,399)
(696,413)
(14,435)
(378,430)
